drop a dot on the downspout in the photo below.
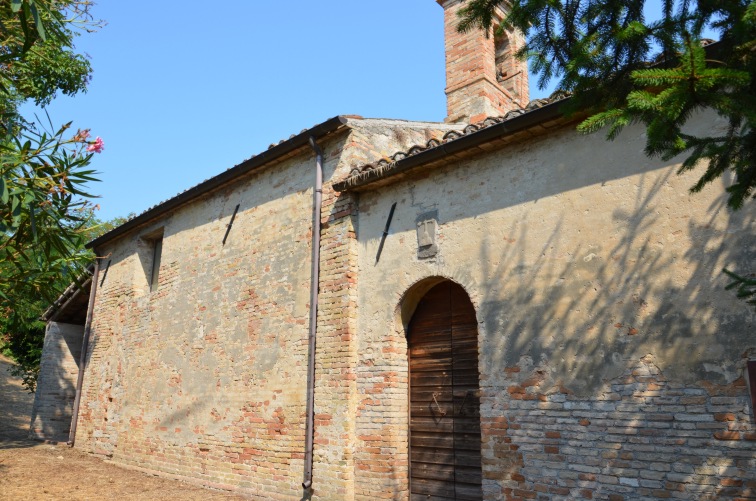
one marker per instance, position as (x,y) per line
(317,203)
(84,349)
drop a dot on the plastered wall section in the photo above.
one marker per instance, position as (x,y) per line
(611,357)
(56,384)
(204,379)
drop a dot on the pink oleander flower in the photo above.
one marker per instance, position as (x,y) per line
(82,135)
(97,146)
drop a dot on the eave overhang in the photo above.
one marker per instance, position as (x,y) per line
(536,122)
(277,152)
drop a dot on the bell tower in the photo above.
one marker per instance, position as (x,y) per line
(483,78)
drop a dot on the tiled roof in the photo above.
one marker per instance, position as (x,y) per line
(385,164)
(384,167)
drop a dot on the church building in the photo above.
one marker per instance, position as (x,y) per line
(493,307)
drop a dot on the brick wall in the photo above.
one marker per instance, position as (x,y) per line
(341,470)
(482,77)
(56,383)
(382,413)
(611,357)
(204,378)
(640,436)
(607,358)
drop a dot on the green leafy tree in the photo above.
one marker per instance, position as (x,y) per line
(22,333)
(43,168)
(745,287)
(45,207)
(624,68)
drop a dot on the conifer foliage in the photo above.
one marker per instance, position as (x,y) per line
(625,64)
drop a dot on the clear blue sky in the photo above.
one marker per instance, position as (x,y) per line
(184,90)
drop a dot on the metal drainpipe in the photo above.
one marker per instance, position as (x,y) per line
(84,349)
(317,203)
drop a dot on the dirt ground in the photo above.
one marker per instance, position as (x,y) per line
(33,470)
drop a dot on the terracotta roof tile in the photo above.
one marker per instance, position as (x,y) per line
(386,162)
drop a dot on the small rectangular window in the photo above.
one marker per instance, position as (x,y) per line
(157,250)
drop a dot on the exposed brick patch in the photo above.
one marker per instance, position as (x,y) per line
(481,81)
(642,436)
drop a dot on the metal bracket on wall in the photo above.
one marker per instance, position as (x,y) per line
(105,274)
(230,223)
(385,233)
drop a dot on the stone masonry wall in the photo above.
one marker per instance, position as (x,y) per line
(611,358)
(56,383)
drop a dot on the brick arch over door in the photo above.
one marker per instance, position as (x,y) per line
(445,460)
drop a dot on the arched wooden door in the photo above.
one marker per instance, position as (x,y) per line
(444,397)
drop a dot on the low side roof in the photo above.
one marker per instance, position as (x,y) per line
(71,306)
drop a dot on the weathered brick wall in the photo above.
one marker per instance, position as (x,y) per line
(382,414)
(205,377)
(338,472)
(640,436)
(56,384)
(608,349)
(475,89)
(610,353)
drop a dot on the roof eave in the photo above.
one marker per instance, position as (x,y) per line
(378,177)
(285,147)
(75,288)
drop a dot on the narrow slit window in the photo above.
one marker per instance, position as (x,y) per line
(157,250)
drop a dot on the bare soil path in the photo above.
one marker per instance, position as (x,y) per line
(31,470)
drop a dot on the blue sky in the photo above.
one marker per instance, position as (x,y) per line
(184,90)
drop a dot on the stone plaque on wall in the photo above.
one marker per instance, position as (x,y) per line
(427,226)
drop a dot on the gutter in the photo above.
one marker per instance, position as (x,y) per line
(83,356)
(317,204)
(290,145)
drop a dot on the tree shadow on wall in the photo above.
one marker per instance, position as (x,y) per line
(597,305)
(574,318)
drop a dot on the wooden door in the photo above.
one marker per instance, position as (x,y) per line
(444,397)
